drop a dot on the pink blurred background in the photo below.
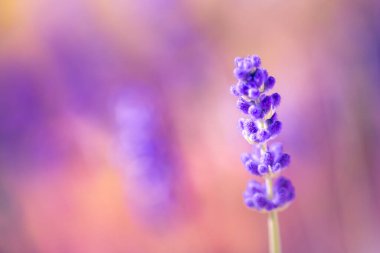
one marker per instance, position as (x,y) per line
(118,132)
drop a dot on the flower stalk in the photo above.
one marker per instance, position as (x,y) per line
(273,223)
(260,126)
(274,233)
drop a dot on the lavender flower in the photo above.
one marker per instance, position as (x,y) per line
(256,195)
(146,156)
(259,164)
(260,126)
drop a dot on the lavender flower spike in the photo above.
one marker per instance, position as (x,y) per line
(260,126)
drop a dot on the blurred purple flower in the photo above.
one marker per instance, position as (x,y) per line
(27,137)
(256,195)
(146,148)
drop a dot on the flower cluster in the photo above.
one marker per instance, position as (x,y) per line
(261,125)
(145,153)
(261,163)
(256,195)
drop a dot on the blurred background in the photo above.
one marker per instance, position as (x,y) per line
(118,132)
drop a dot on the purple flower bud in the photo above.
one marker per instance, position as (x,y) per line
(275,128)
(276,149)
(276,99)
(253,93)
(247,64)
(284,160)
(266,104)
(250,79)
(272,119)
(250,126)
(269,83)
(255,112)
(261,136)
(260,201)
(277,167)
(256,61)
(242,88)
(280,160)
(240,73)
(249,201)
(262,169)
(251,167)
(258,77)
(241,123)
(254,186)
(270,206)
(234,91)
(283,191)
(267,159)
(265,75)
(238,62)
(243,105)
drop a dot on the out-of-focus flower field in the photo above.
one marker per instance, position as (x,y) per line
(118,132)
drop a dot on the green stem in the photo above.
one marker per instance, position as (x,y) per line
(274,233)
(273,224)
